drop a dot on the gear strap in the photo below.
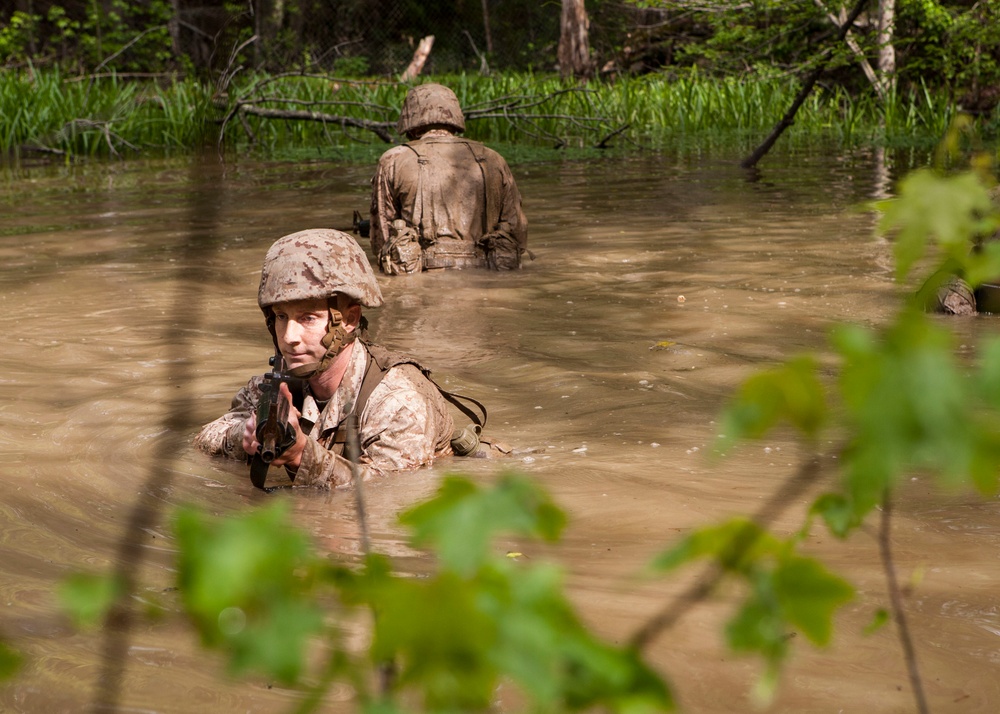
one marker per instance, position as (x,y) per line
(379,362)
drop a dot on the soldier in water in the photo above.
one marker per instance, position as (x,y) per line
(440,200)
(313,287)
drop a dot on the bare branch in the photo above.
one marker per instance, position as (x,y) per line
(896,598)
(806,476)
(380,129)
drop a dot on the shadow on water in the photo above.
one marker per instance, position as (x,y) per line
(190,273)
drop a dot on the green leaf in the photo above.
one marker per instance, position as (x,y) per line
(808,595)
(10,661)
(837,512)
(879,619)
(734,545)
(247,583)
(461,521)
(988,376)
(929,206)
(87,597)
(909,408)
(792,393)
(758,625)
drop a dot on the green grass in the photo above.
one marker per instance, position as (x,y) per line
(114,117)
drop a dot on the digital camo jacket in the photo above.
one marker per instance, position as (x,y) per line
(405,424)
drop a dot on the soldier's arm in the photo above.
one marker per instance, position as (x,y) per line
(383,206)
(510,207)
(224,436)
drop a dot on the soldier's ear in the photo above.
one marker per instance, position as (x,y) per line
(352,317)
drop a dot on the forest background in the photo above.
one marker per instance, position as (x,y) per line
(107,77)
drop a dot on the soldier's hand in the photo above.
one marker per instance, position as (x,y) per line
(292,456)
(250,444)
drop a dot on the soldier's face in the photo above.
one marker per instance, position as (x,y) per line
(300,327)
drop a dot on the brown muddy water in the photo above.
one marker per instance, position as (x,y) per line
(129,317)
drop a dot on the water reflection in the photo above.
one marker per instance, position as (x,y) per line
(132,320)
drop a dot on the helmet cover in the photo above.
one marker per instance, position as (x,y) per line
(429,104)
(314,264)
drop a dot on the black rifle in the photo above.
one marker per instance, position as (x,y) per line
(362,226)
(274,433)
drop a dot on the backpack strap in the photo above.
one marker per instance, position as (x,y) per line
(490,211)
(379,362)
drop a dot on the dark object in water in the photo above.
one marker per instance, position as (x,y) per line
(988,298)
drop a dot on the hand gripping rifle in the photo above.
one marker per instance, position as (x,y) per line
(274,433)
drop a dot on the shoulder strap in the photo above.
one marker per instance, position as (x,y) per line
(374,374)
(490,212)
(380,361)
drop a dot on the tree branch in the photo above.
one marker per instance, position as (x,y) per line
(896,599)
(380,128)
(807,474)
(787,120)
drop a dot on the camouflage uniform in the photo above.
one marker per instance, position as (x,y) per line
(405,422)
(442,201)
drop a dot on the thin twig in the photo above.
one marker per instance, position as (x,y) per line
(353,455)
(661,622)
(127,45)
(387,669)
(896,600)
(228,73)
(603,143)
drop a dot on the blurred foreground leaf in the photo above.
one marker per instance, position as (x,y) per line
(791,392)
(10,661)
(88,597)
(247,583)
(460,521)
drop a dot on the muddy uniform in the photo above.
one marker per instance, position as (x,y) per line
(453,192)
(404,424)
(441,201)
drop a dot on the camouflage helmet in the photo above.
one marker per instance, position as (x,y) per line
(429,104)
(314,264)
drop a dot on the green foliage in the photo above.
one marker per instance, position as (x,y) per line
(16,37)
(10,661)
(252,586)
(515,506)
(786,590)
(247,584)
(791,392)
(905,405)
(944,211)
(112,115)
(88,597)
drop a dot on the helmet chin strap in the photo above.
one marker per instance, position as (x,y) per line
(335,339)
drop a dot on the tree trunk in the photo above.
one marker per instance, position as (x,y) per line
(486,26)
(886,51)
(574,42)
(268,18)
(871,74)
(419,58)
(27,7)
